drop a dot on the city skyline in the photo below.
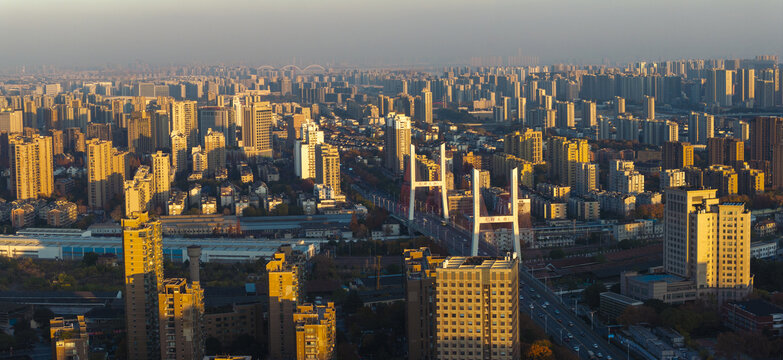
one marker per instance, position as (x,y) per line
(88,33)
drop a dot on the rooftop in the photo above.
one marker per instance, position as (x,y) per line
(658,277)
(758,307)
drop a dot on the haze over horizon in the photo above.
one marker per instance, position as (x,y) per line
(94,32)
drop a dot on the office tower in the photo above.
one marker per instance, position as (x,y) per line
(215,148)
(424,112)
(385,105)
(181,309)
(212,117)
(741,130)
(305,150)
(672,178)
(294,127)
(179,152)
(746,86)
(627,128)
(708,243)
(161,178)
(619,105)
(525,145)
(69,338)
(11,121)
(184,119)
(256,130)
(31,167)
(30,114)
(565,115)
(764,92)
(488,328)
(624,178)
(586,178)
(726,151)
(657,132)
(138,191)
(161,129)
(316,329)
(589,114)
(649,107)
(563,158)
(142,248)
(106,168)
(140,133)
(397,142)
(284,289)
(604,128)
(701,126)
(327,165)
(676,155)
(521,105)
(420,268)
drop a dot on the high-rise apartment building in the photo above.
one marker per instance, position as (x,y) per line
(624,178)
(565,115)
(181,309)
(701,126)
(525,145)
(564,156)
(649,107)
(589,114)
(424,112)
(586,178)
(657,132)
(327,166)
(179,152)
(215,148)
(316,329)
(676,155)
(305,150)
(397,144)
(477,308)
(69,338)
(138,191)
(708,243)
(257,128)
(294,128)
(619,105)
(627,128)
(672,178)
(725,151)
(420,268)
(161,179)
(11,121)
(212,117)
(723,178)
(184,119)
(32,166)
(140,133)
(284,296)
(142,246)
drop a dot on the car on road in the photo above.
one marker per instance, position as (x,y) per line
(521,297)
(600,356)
(557,312)
(541,315)
(570,336)
(595,346)
(608,357)
(531,306)
(571,324)
(576,348)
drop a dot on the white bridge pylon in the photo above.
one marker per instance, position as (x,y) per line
(496,219)
(428,184)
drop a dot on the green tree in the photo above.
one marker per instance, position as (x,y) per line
(90,259)
(592,294)
(557,253)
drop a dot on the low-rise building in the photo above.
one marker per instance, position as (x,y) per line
(753,315)
(763,249)
(69,337)
(612,305)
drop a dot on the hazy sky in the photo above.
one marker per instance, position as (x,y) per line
(257,32)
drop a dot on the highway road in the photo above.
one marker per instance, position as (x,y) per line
(557,319)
